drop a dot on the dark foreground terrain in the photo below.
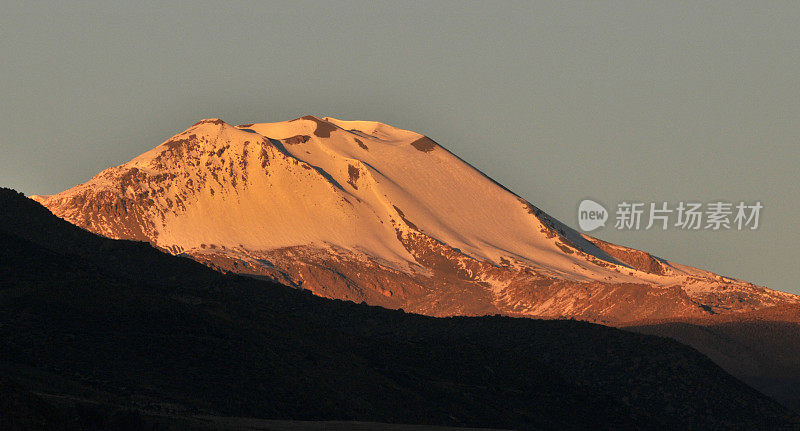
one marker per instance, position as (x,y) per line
(97,333)
(760,350)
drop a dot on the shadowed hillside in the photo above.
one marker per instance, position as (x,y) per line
(122,325)
(762,352)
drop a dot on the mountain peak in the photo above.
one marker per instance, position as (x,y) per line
(366,211)
(322,128)
(215,121)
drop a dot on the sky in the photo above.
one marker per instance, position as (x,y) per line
(559,101)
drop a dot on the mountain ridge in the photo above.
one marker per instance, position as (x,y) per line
(369,212)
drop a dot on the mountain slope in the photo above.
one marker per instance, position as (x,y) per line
(74,327)
(761,348)
(368,212)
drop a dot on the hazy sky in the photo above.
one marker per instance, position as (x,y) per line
(627,101)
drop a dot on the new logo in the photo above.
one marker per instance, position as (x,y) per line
(591,215)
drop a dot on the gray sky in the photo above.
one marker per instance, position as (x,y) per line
(559,101)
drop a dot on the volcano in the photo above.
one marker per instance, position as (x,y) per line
(368,212)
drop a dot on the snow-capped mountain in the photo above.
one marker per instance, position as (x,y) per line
(365,211)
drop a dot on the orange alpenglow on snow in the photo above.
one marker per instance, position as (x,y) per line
(364,211)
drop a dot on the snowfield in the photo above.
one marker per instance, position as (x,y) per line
(365,211)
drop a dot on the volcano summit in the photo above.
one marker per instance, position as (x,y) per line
(364,211)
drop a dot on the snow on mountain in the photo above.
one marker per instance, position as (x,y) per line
(365,211)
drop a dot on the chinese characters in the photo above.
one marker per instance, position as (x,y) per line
(687,216)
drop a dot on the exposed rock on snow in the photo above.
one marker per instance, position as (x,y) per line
(365,211)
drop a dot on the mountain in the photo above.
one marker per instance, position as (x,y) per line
(106,334)
(761,348)
(365,211)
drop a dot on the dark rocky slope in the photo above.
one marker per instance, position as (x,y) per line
(121,324)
